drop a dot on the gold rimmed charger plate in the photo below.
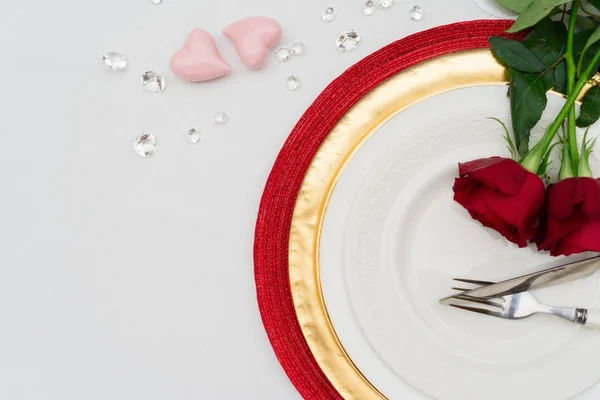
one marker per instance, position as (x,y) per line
(438,75)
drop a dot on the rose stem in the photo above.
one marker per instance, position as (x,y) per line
(533,159)
(571,72)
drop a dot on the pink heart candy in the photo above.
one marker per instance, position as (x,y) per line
(254,37)
(199,60)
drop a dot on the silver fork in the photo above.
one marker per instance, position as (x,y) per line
(518,306)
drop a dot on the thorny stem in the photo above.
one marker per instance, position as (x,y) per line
(533,159)
(571,73)
(550,68)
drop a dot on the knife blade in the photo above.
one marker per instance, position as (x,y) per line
(562,273)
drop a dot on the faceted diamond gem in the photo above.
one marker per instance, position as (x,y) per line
(144,145)
(328,14)
(292,82)
(347,41)
(153,82)
(415,13)
(220,118)
(297,48)
(283,54)
(194,135)
(114,60)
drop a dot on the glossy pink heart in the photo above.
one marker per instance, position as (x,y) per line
(199,60)
(254,37)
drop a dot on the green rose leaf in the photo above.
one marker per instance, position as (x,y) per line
(518,6)
(536,11)
(527,103)
(560,78)
(515,55)
(548,41)
(594,37)
(586,22)
(590,108)
(580,40)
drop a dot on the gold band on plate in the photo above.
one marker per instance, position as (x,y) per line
(438,75)
(469,68)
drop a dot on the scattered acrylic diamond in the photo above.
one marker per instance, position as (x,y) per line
(292,82)
(387,3)
(369,8)
(157,1)
(144,145)
(297,48)
(220,118)
(153,82)
(114,60)
(194,135)
(347,41)
(416,13)
(328,15)
(283,54)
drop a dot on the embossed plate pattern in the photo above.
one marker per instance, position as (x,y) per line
(459,70)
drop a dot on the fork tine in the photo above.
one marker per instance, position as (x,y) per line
(474,282)
(445,300)
(461,289)
(479,300)
(477,310)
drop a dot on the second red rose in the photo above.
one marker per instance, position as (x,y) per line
(571,220)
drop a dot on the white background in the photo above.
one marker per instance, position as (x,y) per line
(131,278)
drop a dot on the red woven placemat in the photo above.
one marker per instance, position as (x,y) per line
(277,204)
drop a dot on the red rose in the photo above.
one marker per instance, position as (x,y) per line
(502,195)
(571,220)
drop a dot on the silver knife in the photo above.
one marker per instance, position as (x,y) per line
(523,283)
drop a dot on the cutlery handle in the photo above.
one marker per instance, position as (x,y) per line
(591,318)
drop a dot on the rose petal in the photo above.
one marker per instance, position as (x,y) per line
(503,174)
(587,238)
(572,220)
(520,212)
(513,209)
(467,192)
(562,197)
(558,230)
(570,194)
(590,196)
(502,195)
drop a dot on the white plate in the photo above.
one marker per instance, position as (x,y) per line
(393,239)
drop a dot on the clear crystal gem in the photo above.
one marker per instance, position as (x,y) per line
(283,54)
(114,60)
(292,82)
(220,118)
(157,1)
(153,81)
(194,135)
(387,3)
(297,48)
(328,14)
(347,41)
(416,13)
(144,145)
(369,8)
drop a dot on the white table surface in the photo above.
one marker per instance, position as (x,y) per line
(131,278)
